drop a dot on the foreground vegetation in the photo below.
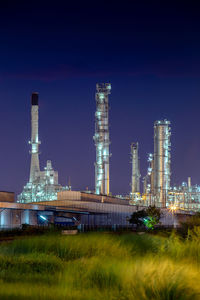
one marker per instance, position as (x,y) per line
(101,266)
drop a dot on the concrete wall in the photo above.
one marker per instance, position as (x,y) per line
(14,218)
(75,195)
(106,219)
(70,195)
(7,197)
(105,199)
(97,207)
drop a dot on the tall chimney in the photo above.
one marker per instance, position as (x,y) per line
(35,166)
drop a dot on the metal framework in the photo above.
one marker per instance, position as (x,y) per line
(161,162)
(42,185)
(101,139)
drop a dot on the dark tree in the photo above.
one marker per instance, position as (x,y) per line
(154,212)
(137,218)
(148,217)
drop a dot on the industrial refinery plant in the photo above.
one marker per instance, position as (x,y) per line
(157,189)
(42,185)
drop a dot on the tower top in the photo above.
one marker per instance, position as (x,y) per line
(103,88)
(162,122)
(34,98)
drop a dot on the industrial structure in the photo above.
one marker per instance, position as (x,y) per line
(102,139)
(75,208)
(161,162)
(185,196)
(157,189)
(44,200)
(42,185)
(157,181)
(135,176)
(35,165)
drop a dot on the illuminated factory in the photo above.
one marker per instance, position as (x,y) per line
(157,180)
(43,200)
(157,189)
(42,185)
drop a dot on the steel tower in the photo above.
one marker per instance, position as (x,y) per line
(161,165)
(101,139)
(135,178)
(35,165)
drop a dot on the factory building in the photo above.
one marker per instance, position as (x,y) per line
(93,209)
(157,189)
(185,196)
(74,208)
(43,200)
(42,185)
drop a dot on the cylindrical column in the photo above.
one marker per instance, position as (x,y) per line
(135,178)
(35,167)
(161,171)
(189,182)
(101,139)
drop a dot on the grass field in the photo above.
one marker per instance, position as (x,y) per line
(101,266)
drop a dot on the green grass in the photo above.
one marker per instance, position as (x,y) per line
(101,266)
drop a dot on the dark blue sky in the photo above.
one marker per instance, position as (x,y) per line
(148,50)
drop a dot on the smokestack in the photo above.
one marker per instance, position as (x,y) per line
(101,139)
(35,166)
(34,99)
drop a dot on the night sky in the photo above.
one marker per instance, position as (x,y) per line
(149,51)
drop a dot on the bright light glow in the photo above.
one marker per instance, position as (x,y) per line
(102,139)
(173,208)
(43,218)
(101,95)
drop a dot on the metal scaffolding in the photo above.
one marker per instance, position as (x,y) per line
(101,139)
(161,162)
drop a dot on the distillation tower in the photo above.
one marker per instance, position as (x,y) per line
(148,179)
(102,139)
(161,162)
(135,176)
(42,185)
